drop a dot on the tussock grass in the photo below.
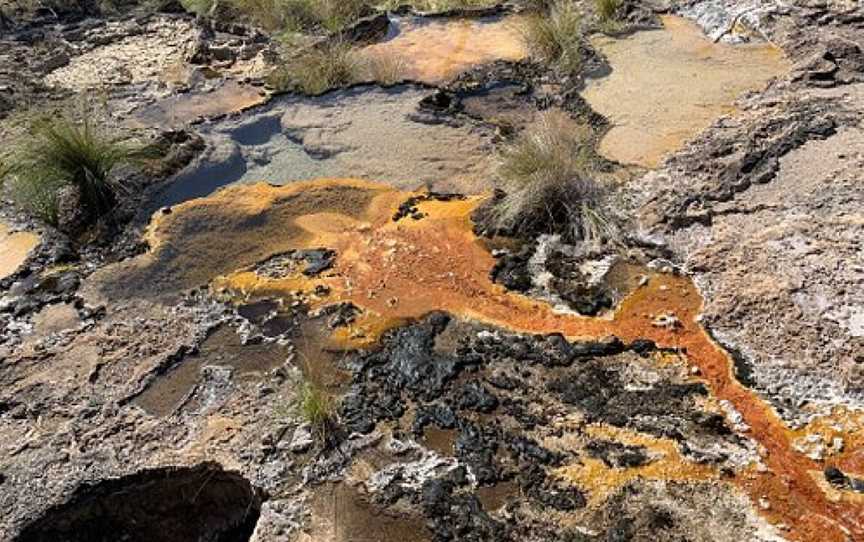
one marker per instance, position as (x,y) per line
(316,408)
(546,179)
(198,7)
(63,153)
(607,10)
(331,15)
(293,15)
(318,70)
(436,6)
(386,69)
(556,37)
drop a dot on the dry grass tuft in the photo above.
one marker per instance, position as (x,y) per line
(294,15)
(546,180)
(317,408)
(607,10)
(384,68)
(556,37)
(318,70)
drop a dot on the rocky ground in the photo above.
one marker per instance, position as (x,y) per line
(699,380)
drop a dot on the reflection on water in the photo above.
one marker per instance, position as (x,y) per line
(180,110)
(365,132)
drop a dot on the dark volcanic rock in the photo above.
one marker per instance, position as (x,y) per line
(498,392)
(458,516)
(617,455)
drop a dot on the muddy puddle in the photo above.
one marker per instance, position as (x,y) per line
(434,51)
(494,497)
(321,360)
(14,248)
(341,513)
(668,85)
(365,132)
(168,391)
(439,440)
(183,109)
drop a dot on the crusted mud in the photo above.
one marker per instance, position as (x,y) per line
(696,379)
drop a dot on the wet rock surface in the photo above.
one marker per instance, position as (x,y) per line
(365,132)
(436,50)
(672,62)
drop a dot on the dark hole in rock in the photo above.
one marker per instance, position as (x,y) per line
(195,504)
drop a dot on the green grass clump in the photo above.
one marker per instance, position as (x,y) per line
(291,15)
(556,37)
(63,153)
(198,7)
(607,10)
(316,407)
(318,70)
(547,179)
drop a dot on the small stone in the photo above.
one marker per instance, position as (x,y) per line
(667,321)
(302,439)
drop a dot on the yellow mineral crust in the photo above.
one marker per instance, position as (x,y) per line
(599,481)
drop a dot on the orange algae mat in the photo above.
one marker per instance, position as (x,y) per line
(398,270)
